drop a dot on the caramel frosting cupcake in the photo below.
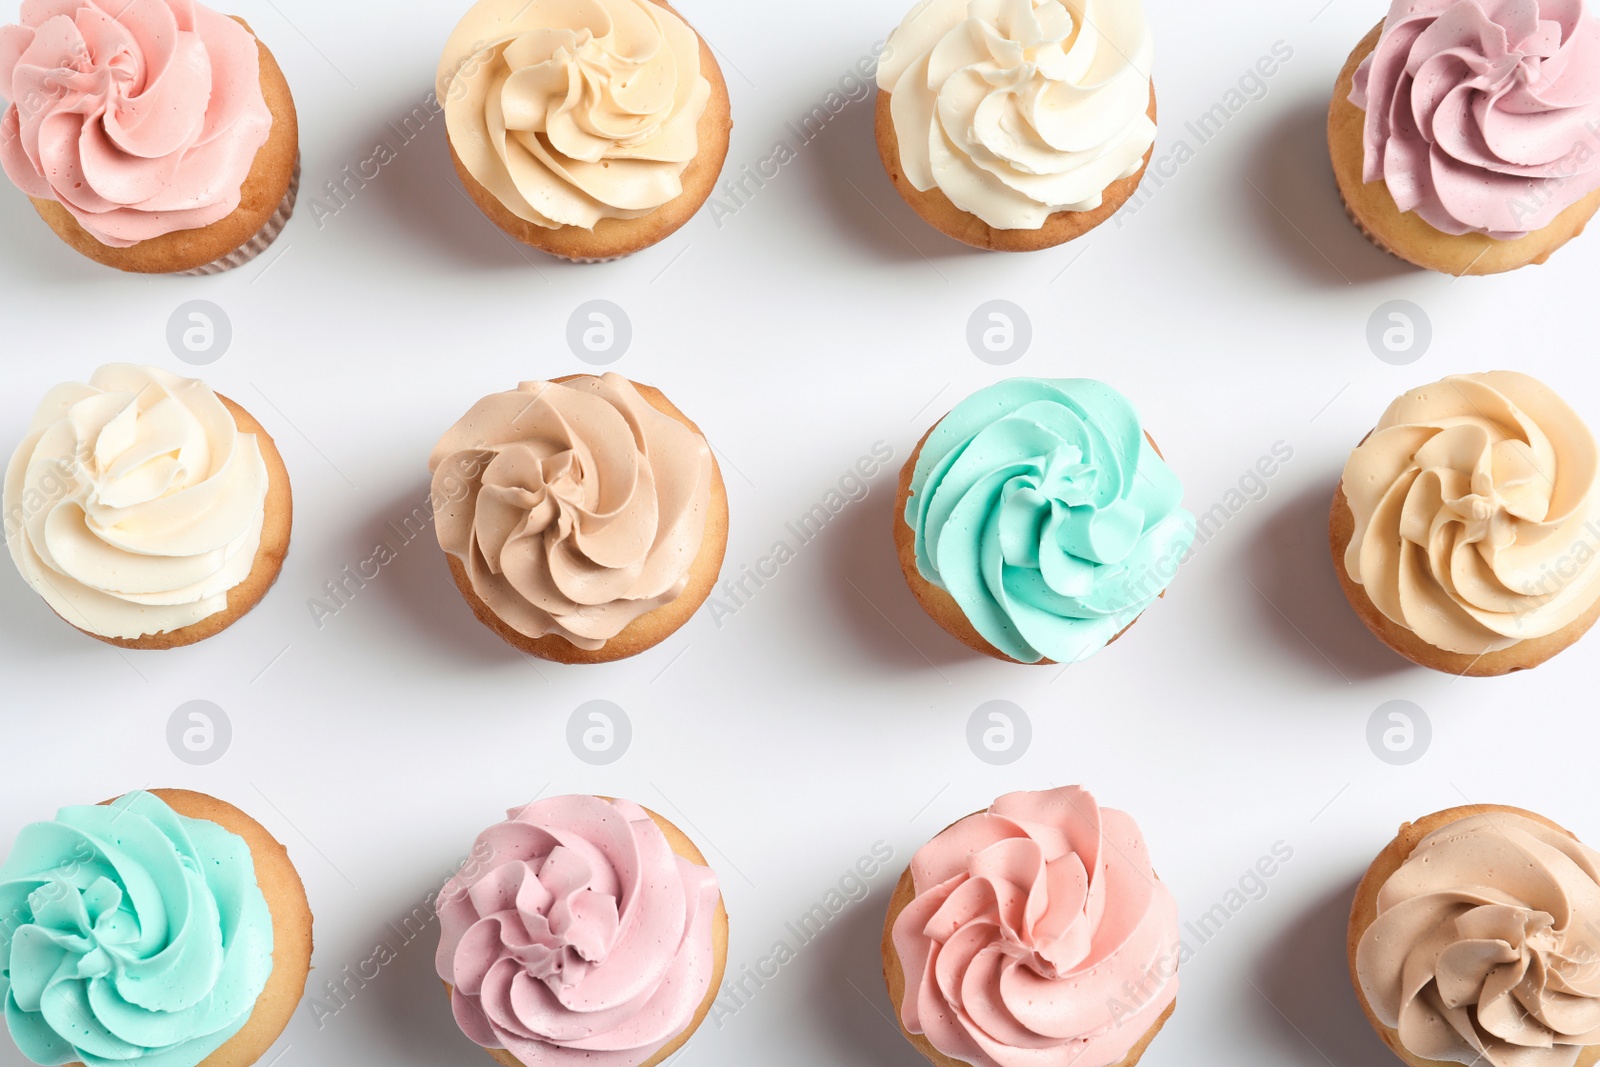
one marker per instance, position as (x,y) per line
(1035,934)
(582,930)
(165,928)
(1037,520)
(1466,528)
(588,129)
(1464,133)
(148,511)
(1017,126)
(584,519)
(1472,941)
(156,137)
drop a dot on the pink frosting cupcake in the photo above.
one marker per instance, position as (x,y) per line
(1465,134)
(1034,934)
(582,930)
(155,136)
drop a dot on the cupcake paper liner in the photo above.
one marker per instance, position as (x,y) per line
(264,236)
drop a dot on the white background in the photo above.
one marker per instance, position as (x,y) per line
(829,713)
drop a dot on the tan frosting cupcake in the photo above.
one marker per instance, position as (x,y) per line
(1016,127)
(170,145)
(584,519)
(1472,941)
(1466,529)
(148,511)
(588,129)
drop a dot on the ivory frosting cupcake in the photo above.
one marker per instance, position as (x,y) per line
(1017,125)
(165,928)
(148,511)
(1037,520)
(582,930)
(1035,934)
(1472,941)
(584,519)
(1466,528)
(589,129)
(157,137)
(1464,132)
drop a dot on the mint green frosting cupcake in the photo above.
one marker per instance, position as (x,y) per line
(1040,506)
(130,933)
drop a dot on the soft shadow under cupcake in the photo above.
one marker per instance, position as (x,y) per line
(858,200)
(1295,205)
(415,585)
(880,619)
(1301,610)
(406,1002)
(844,965)
(1303,1001)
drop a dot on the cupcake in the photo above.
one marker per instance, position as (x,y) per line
(1016,126)
(1465,134)
(165,928)
(584,519)
(157,137)
(147,510)
(588,129)
(1472,941)
(582,930)
(1035,934)
(1037,520)
(1466,527)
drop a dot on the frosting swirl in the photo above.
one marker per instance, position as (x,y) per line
(1042,508)
(1039,936)
(1483,948)
(573,111)
(135,504)
(1476,522)
(1016,109)
(1481,115)
(584,507)
(577,936)
(140,118)
(130,933)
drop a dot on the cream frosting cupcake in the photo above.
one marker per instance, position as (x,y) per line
(1465,134)
(1472,941)
(584,519)
(582,930)
(1017,125)
(588,129)
(1466,528)
(1034,934)
(164,928)
(148,511)
(1037,520)
(157,137)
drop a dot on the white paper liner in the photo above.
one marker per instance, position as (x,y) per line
(264,236)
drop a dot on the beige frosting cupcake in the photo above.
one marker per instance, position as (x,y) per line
(1472,941)
(584,519)
(1466,528)
(588,129)
(148,511)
